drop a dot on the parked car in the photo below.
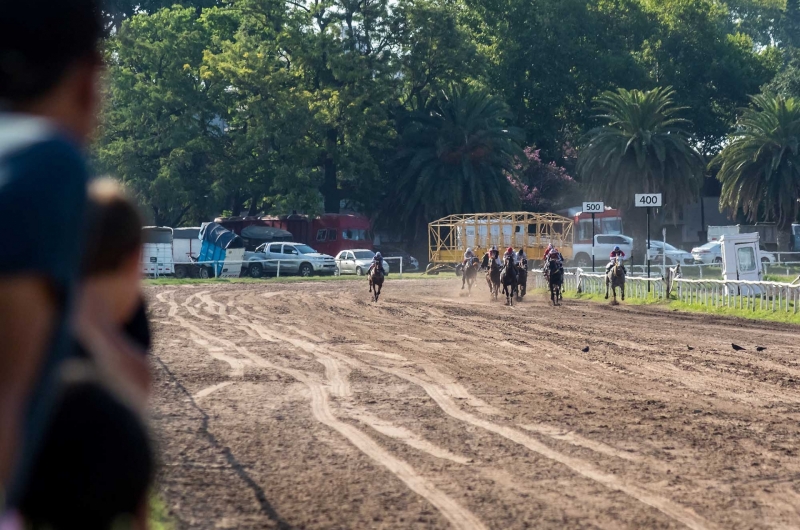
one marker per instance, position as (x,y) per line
(300,259)
(356,261)
(603,245)
(674,255)
(410,263)
(711,252)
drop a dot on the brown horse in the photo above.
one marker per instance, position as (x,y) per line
(470,273)
(376,282)
(493,278)
(508,277)
(615,278)
(522,279)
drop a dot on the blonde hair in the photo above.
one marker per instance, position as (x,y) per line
(114,228)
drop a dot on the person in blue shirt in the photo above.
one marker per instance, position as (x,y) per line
(49,71)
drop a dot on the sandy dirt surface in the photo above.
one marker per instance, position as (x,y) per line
(305,405)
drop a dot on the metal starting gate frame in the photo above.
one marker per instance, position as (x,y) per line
(449,237)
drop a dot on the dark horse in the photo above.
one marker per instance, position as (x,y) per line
(508,277)
(493,278)
(522,278)
(615,277)
(469,273)
(555,280)
(376,281)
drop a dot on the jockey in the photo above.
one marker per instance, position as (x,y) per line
(521,255)
(377,261)
(509,253)
(547,251)
(618,254)
(494,256)
(468,255)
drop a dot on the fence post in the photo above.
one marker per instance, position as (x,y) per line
(216,269)
(278,273)
(401,267)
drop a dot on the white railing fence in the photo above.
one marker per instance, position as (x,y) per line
(769,296)
(215,265)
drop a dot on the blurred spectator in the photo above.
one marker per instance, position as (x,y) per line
(49,69)
(96,463)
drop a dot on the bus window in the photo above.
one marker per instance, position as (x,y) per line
(322,234)
(331,234)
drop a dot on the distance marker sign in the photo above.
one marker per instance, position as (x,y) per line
(647,200)
(593,207)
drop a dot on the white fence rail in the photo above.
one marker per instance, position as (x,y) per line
(214,265)
(769,296)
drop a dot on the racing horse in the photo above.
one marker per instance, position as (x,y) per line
(508,277)
(376,282)
(615,277)
(555,280)
(522,278)
(470,273)
(493,278)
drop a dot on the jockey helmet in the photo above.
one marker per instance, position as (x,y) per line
(549,245)
(469,249)
(616,248)
(494,247)
(510,250)
(378,255)
(554,250)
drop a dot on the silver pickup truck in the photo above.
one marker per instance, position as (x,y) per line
(296,258)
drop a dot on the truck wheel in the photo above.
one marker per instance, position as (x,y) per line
(256,270)
(583,260)
(306,270)
(359,271)
(180,272)
(203,273)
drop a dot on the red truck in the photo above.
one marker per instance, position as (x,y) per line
(328,234)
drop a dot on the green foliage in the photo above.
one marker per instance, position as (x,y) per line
(265,106)
(455,157)
(760,165)
(642,147)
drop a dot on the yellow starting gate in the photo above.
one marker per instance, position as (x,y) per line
(449,237)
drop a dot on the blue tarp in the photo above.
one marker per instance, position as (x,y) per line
(219,236)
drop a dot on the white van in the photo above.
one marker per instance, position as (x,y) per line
(157,251)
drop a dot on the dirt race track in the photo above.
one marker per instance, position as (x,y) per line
(305,405)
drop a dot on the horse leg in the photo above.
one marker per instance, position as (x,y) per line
(622,291)
(607,282)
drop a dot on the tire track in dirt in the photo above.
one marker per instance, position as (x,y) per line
(442,390)
(458,516)
(685,516)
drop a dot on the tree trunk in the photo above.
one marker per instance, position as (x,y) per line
(253,206)
(785,238)
(330,185)
(236,204)
(635,226)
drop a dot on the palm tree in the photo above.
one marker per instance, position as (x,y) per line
(643,147)
(760,165)
(455,157)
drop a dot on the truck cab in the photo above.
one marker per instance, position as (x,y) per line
(741,257)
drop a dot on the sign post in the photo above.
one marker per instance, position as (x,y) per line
(648,200)
(593,208)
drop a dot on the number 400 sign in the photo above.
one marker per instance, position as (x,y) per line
(647,200)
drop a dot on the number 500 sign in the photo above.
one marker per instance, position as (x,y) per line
(647,200)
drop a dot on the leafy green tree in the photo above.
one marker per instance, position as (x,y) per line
(643,147)
(760,165)
(455,156)
(162,130)
(698,49)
